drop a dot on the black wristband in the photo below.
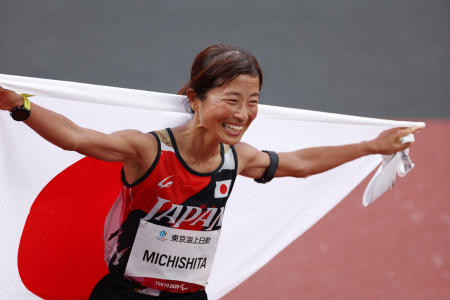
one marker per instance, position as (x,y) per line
(271,169)
(21,113)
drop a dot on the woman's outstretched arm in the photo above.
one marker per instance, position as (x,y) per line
(57,129)
(310,161)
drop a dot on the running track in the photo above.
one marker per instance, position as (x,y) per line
(397,248)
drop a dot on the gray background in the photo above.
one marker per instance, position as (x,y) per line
(384,58)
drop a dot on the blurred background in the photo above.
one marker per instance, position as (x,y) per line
(387,59)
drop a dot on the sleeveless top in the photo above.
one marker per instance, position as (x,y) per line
(162,231)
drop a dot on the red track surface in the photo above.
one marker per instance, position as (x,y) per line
(397,248)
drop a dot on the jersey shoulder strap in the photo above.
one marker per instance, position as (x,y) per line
(163,137)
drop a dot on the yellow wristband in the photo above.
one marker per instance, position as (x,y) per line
(27,104)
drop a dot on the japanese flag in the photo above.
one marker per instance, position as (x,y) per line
(54,202)
(222,188)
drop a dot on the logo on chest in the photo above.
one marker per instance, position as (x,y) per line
(165,182)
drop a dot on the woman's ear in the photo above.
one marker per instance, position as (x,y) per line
(193,99)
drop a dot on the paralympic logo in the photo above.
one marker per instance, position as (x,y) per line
(162,235)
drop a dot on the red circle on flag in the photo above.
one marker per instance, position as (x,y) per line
(223,188)
(61,249)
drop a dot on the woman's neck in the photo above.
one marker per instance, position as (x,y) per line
(198,148)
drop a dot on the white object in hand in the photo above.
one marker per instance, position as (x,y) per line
(384,178)
(409,138)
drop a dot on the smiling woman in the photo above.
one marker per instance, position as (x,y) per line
(161,234)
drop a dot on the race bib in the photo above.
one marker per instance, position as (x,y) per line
(173,254)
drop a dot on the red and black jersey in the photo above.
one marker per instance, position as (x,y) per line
(172,195)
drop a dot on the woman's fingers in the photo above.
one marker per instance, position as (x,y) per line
(414,129)
(406,136)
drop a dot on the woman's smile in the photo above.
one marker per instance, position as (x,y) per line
(233,129)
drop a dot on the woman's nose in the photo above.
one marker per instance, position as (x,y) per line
(241,114)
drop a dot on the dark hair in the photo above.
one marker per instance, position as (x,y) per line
(218,65)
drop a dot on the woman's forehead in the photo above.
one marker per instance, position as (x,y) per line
(241,85)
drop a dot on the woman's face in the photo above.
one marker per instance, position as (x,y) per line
(228,110)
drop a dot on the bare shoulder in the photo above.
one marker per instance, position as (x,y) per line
(134,136)
(245,151)
(252,162)
(145,144)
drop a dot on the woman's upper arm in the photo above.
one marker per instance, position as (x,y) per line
(252,162)
(118,146)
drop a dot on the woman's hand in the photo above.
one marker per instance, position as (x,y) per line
(389,141)
(9,99)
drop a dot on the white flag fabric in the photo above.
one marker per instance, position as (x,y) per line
(53,202)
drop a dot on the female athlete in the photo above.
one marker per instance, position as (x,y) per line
(161,234)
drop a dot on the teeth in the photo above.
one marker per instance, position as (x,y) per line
(233,127)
